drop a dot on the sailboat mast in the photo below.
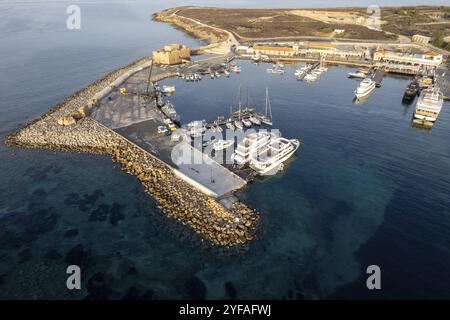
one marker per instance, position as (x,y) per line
(268,103)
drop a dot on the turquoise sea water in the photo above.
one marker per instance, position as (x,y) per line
(365,187)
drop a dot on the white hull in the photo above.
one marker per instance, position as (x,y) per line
(247,123)
(239,125)
(255,120)
(230,126)
(359,93)
(223,144)
(275,166)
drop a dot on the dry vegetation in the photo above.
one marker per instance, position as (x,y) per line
(249,24)
(282,23)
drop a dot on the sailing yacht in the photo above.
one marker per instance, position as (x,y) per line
(267,117)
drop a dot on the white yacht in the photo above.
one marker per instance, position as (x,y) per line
(251,144)
(310,77)
(196,128)
(168,89)
(247,123)
(255,120)
(429,105)
(269,160)
(275,70)
(222,144)
(365,87)
(358,75)
(238,124)
(230,125)
(235,68)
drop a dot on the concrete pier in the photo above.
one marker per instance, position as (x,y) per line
(177,199)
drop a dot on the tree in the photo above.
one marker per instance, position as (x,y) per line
(438,40)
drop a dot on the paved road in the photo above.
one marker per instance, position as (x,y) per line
(224,47)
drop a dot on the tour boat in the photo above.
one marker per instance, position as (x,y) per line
(429,105)
(250,145)
(270,159)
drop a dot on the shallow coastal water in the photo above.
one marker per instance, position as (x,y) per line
(365,188)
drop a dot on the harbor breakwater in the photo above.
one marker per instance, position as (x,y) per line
(176,198)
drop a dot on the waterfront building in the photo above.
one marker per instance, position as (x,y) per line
(421,39)
(171,54)
(274,50)
(427,59)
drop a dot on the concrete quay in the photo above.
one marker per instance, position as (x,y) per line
(177,199)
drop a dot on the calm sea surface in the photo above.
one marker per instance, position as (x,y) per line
(365,188)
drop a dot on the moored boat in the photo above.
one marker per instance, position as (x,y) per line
(222,144)
(429,105)
(365,88)
(269,160)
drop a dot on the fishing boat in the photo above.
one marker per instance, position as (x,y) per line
(411,91)
(269,160)
(226,73)
(429,105)
(266,118)
(222,144)
(365,88)
(169,111)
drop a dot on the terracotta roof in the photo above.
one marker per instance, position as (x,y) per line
(431,53)
(272,48)
(321,45)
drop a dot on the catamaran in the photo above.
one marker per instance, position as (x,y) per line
(266,118)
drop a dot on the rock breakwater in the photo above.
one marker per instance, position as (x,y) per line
(176,198)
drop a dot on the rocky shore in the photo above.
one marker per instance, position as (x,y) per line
(209,35)
(175,197)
